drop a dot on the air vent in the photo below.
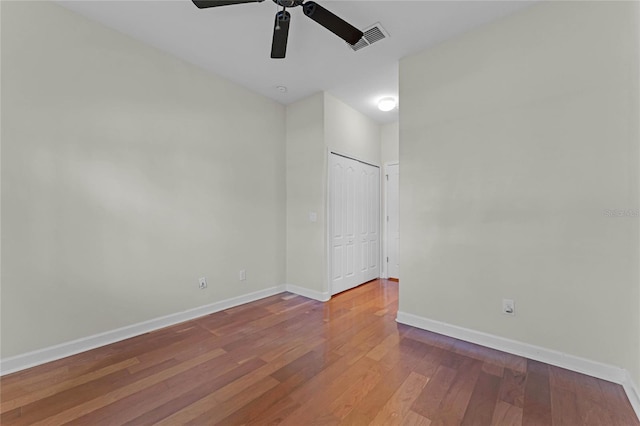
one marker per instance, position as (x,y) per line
(372,34)
(359,45)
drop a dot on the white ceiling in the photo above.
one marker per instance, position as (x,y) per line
(235,41)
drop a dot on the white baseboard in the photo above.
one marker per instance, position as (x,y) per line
(548,356)
(633,393)
(63,350)
(311,294)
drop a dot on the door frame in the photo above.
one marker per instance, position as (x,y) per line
(327,240)
(385,229)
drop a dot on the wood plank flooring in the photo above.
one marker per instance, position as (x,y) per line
(294,361)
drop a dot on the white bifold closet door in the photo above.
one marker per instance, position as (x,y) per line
(354,223)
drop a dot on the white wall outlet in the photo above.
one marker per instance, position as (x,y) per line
(243,275)
(313,217)
(508,307)
(202,283)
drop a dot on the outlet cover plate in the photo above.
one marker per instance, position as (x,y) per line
(508,307)
(202,283)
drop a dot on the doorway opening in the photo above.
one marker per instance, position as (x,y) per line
(392,223)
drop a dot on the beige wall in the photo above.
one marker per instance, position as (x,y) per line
(126,175)
(516,138)
(636,107)
(390,143)
(306,253)
(0,184)
(316,126)
(349,132)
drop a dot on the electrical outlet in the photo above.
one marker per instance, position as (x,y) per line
(202,283)
(508,307)
(243,275)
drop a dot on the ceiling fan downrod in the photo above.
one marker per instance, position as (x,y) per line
(279,16)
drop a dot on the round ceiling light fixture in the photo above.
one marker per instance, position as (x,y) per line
(387,104)
(282,89)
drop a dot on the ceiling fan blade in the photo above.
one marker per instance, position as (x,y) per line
(333,23)
(203,4)
(280,35)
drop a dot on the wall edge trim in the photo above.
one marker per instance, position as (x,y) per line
(308,293)
(633,393)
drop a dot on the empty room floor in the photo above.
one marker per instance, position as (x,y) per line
(291,360)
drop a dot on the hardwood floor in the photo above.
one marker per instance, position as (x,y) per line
(290,360)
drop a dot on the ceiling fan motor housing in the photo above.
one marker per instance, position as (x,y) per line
(288,3)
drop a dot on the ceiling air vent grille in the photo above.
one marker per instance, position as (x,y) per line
(359,45)
(372,34)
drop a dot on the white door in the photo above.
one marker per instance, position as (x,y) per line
(363,222)
(370,224)
(342,188)
(354,215)
(393,222)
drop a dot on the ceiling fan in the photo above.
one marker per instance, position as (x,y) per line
(322,16)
